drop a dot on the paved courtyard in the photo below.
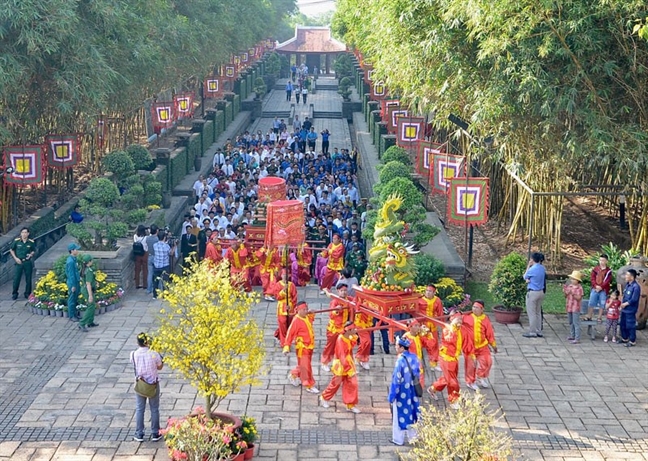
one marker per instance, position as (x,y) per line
(67,395)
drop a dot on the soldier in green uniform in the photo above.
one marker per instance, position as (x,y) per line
(88,287)
(22,251)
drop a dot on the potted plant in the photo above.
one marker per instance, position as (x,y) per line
(260,87)
(208,323)
(249,435)
(198,437)
(509,288)
(344,88)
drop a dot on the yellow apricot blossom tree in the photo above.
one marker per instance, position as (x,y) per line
(206,334)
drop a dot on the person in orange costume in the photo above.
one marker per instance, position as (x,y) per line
(337,319)
(454,341)
(480,327)
(431,306)
(344,371)
(237,256)
(301,333)
(415,336)
(335,254)
(286,304)
(214,251)
(269,263)
(363,321)
(304,260)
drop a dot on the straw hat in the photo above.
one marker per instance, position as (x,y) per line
(576,275)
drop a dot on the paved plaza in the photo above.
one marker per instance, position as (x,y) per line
(67,395)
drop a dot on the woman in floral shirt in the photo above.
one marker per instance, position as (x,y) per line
(573,294)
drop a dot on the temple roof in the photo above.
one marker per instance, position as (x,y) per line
(311,40)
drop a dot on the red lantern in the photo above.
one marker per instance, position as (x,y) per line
(272,188)
(285,223)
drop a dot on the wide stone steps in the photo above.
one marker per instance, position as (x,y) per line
(318,114)
(273,114)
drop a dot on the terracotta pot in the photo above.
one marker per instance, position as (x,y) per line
(507,316)
(239,457)
(249,453)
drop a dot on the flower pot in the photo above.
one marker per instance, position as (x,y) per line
(239,457)
(249,453)
(507,316)
(42,311)
(110,307)
(59,313)
(65,314)
(102,310)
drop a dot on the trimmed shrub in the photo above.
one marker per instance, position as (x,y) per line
(429,269)
(398,154)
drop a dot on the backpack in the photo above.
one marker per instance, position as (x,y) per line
(138,249)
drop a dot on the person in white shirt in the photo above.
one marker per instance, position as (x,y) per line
(197,187)
(353,194)
(228,169)
(219,159)
(297,123)
(263,173)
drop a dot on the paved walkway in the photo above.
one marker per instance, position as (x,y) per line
(67,395)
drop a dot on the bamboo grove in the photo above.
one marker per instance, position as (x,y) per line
(560,86)
(66,63)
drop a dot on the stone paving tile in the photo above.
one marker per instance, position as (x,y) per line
(68,395)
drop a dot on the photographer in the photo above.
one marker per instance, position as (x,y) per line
(162,261)
(535,277)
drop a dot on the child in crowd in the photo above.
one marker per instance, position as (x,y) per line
(613,312)
(573,294)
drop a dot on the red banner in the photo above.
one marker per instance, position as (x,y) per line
(212,87)
(26,164)
(394,112)
(425,156)
(184,105)
(468,201)
(62,150)
(409,131)
(378,90)
(162,114)
(285,223)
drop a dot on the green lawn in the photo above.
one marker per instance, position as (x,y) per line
(554,302)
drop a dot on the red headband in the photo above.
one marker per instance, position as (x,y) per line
(478,304)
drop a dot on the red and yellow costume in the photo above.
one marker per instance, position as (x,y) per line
(304,261)
(237,256)
(335,254)
(268,267)
(335,328)
(416,348)
(286,303)
(454,340)
(483,335)
(301,333)
(431,307)
(361,321)
(214,252)
(344,373)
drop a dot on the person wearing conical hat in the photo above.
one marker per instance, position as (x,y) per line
(573,291)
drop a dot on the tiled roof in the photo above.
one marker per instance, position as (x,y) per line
(311,40)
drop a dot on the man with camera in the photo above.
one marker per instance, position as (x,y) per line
(162,260)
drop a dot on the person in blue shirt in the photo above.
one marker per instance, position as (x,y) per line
(535,277)
(629,307)
(76,216)
(73,280)
(325,141)
(311,137)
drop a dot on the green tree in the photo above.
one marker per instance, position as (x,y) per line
(343,66)
(207,335)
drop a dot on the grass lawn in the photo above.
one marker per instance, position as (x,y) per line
(554,302)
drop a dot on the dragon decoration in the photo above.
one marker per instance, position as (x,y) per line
(391,266)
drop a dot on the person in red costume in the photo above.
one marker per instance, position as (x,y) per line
(415,336)
(304,261)
(480,327)
(301,333)
(214,251)
(431,306)
(344,371)
(237,256)
(454,341)
(286,294)
(268,265)
(362,321)
(337,319)
(335,254)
